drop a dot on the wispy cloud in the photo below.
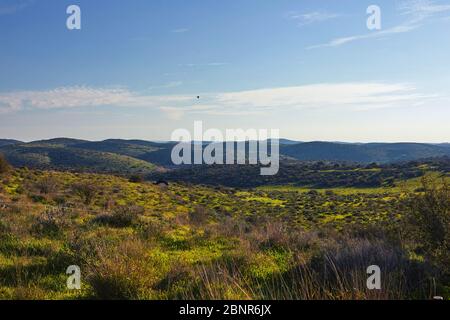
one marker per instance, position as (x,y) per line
(82,96)
(304,19)
(421,10)
(180,30)
(208,64)
(417,12)
(172,84)
(11,7)
(378,34)
(351,96)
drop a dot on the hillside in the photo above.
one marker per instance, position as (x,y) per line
(133,148)
(131,156)
(160,153)
(7,142)
(57,142)
(142,241)
(304,174)
(57,155)
(363,153)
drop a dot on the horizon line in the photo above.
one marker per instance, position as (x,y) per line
(170,141)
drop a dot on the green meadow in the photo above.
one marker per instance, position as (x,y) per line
(138,240)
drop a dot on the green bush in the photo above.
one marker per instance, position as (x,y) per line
(429,220)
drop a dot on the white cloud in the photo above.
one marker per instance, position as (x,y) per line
(416,11)
(304,19)
(76,97)
(351,96)
(354,95)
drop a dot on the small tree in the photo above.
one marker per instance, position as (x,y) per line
(4,165)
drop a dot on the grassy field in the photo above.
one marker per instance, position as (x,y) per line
(142,241)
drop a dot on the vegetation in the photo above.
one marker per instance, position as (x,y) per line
(305,174)
(140,157)
(364,153)
(136,240)
(4,165)
(429,220)
(57,156)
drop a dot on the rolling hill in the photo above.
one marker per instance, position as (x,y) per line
(363,153)
(138,156)
(7,142)
(132,148)
(61,155)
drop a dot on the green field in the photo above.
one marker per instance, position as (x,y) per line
(142,241)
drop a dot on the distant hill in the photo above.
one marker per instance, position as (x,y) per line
(131,148)
(53,155)
(363,153)
(125,156)
(7,142)
(57,142)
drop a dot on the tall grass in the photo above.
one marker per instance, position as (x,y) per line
(338,273)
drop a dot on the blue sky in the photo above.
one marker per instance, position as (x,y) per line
(309,68)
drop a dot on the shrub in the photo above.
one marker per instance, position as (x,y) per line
(85,191)
(274,235)
(199,215)
(4,165)
(136,178)
(51,223)
(122,272)
(47,185)
(37,198)
(121,217)
(428,219)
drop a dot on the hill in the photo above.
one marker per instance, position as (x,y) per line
(133,148)
(57,142)
(59,156)
(7,142)
(363,153)
(117,155)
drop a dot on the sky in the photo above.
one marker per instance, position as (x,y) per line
(312,69)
